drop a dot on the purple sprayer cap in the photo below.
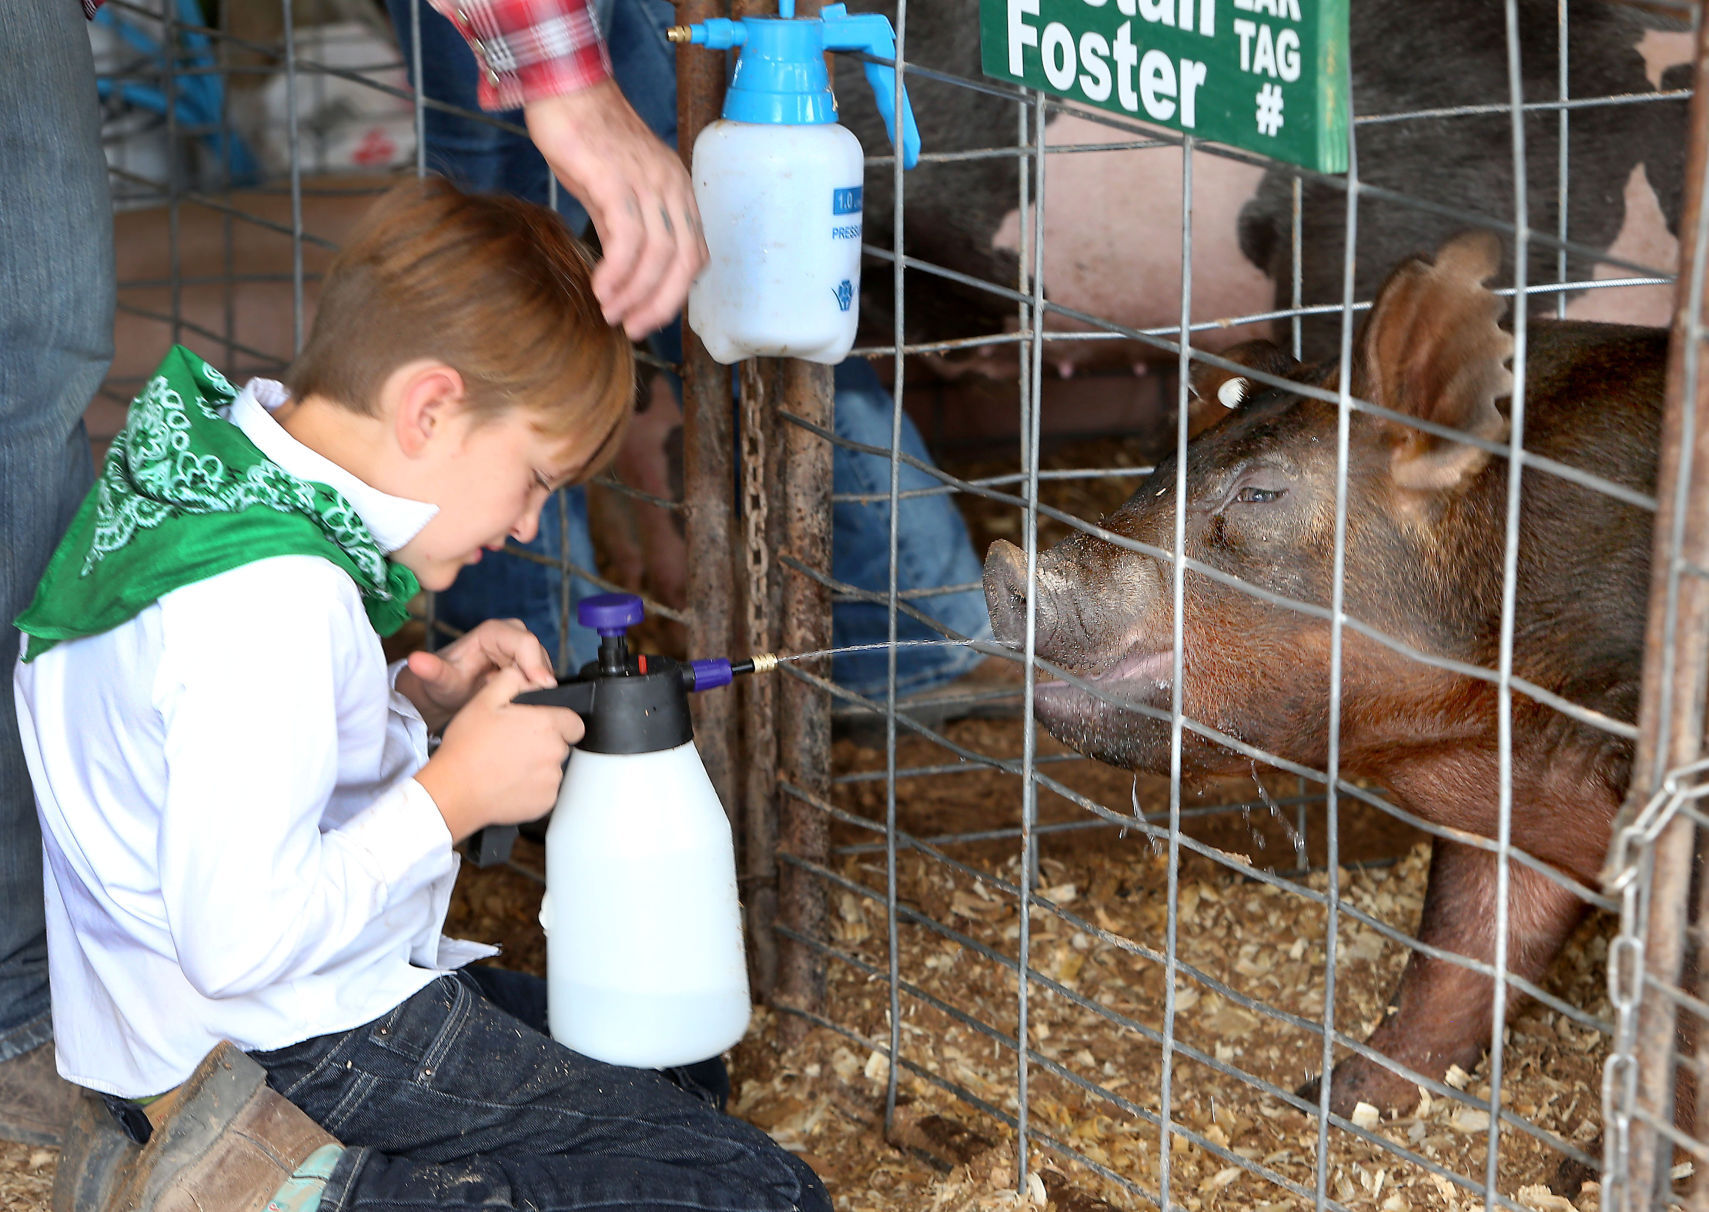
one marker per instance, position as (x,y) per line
(711,673)
(610,613)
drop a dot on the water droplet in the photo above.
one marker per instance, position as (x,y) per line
(1295,837)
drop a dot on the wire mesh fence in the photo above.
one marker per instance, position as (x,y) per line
(243,142)
(1151,1008)
(1326,761)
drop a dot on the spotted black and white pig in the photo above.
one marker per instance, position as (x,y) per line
(1426,518)
(1112,217)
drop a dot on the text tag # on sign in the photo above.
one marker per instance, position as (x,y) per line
(1266,75)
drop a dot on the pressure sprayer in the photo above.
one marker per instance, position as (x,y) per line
(644,958)
(779,185)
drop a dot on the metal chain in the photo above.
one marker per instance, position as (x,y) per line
(1620,1071)
(1631,859)
(755,494)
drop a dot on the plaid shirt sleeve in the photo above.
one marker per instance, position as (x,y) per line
(528,49)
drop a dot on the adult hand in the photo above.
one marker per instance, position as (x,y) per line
(440,683)
(500,762)
(637,193)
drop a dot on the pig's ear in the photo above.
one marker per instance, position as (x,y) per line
(1229,388)
(1432,348)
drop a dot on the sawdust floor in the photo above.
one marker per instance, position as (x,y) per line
(822,1091)
(826,1094)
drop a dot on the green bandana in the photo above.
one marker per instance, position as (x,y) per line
(183,496)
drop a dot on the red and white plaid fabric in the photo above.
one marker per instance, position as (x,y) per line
(528,49)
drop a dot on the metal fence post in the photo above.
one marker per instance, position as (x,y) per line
(757,426)
(785,493)
(804,733)
(1676,660)
(708,484)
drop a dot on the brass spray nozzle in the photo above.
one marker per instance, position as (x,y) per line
(760,662)
(679,33)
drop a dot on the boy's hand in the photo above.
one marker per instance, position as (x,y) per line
(500,762)
(440,683)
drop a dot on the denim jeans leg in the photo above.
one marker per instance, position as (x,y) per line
(473,151)
(56,334)
(643,61)
(932,550)
(450,1101)
(464,144)
(523,995)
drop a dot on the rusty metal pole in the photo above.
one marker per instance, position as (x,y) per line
(786,502)
(1676,654)
(804,738)
(759,695)
(786,507)
(708,484)
(737,732)
(802,507)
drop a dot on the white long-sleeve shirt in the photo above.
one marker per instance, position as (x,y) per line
(235,847)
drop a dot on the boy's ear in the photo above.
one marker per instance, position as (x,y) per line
(424,396)
(1432,349)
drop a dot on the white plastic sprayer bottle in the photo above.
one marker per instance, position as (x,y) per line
(644,958)
(779,186)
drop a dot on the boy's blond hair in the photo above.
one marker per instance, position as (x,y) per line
(493,286)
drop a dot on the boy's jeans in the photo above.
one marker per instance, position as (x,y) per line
(933,550)
(56,334)
(457,1099)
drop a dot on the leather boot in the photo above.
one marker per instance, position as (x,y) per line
(96,1150)
(223,1140)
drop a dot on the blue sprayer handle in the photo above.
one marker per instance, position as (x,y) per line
(838,31)
(871,32)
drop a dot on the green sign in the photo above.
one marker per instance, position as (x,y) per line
(1266,75)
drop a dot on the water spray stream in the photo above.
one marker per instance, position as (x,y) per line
(825,652)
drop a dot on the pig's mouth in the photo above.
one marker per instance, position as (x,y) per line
(1107,717)
(1136,678)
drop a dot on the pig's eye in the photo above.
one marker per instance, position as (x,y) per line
(1251,494)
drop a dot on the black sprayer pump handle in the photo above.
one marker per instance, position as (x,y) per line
(575,694)
(641,709)
(491,846)
(629,711)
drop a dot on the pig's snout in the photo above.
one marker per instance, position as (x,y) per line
(1006,595)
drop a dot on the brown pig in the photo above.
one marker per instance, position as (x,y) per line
(1426,520)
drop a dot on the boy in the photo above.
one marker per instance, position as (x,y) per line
(245,837)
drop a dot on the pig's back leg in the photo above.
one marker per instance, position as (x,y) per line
(1440,1012)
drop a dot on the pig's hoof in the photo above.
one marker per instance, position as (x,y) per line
(1311,1089)
(1571,1175)
(1358,1080)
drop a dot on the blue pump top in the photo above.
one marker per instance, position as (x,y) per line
(780,71)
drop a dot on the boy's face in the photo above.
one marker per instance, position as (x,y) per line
(489,481)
